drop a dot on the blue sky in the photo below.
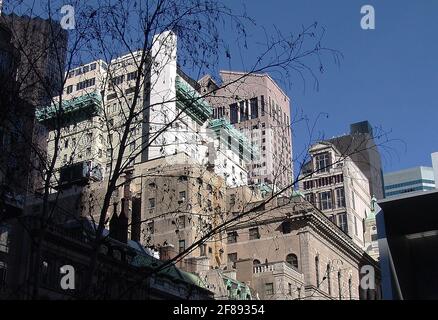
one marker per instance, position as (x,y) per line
(388,76)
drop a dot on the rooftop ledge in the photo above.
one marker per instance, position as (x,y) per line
(229,130)
(191,101)
(88,101)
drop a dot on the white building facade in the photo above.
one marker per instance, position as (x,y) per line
(336,186)
(167,116)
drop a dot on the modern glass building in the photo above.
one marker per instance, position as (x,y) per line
(409,180)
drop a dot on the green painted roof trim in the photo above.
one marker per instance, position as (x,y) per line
(171,271)
(223,124)
(239,286)
(91,101)
(189,99)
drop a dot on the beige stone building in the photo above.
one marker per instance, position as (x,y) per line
(180,201)
(291,250)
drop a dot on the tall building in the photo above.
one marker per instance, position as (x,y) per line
(258,107)
(170,117)
(41,45)
(409,180)
(435,167)
(337,187)
(28,51)
(38,49)
(361,147)
(408,240)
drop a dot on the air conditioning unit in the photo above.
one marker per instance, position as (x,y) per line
(80,172)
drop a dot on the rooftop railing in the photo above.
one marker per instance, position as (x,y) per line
(191,101)
(91,102)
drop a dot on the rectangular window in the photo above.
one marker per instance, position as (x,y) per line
(117,80)
(181,221)
(232,257)
(3,272)
(254,233)
(69,89)
(353,200)
(232,237)
(243,111)
(232,200)
(310,198)
(322,162)
(151,203)
(269,288)
(340,198)
(111,96)
(93,66)
(4,238)
(254,108)
(262,105)
(85,84)
(151,227)
(203,250)
(181,246)
(182,196)
(342,222)
(325,200)
(355,226)
(233,113)
(132,76)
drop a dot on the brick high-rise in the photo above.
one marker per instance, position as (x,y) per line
(257,106)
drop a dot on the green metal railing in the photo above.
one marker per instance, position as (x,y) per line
(224,129)
(91,102)
(189,100)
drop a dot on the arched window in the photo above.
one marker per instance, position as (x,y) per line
(292,260)
(329,282)
(350,288)
(256,262)
(317,270)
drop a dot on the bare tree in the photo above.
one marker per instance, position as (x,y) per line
(136,40)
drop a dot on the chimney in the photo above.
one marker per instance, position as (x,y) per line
(114,223)
(124,222)
(167,252)
(136,219)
